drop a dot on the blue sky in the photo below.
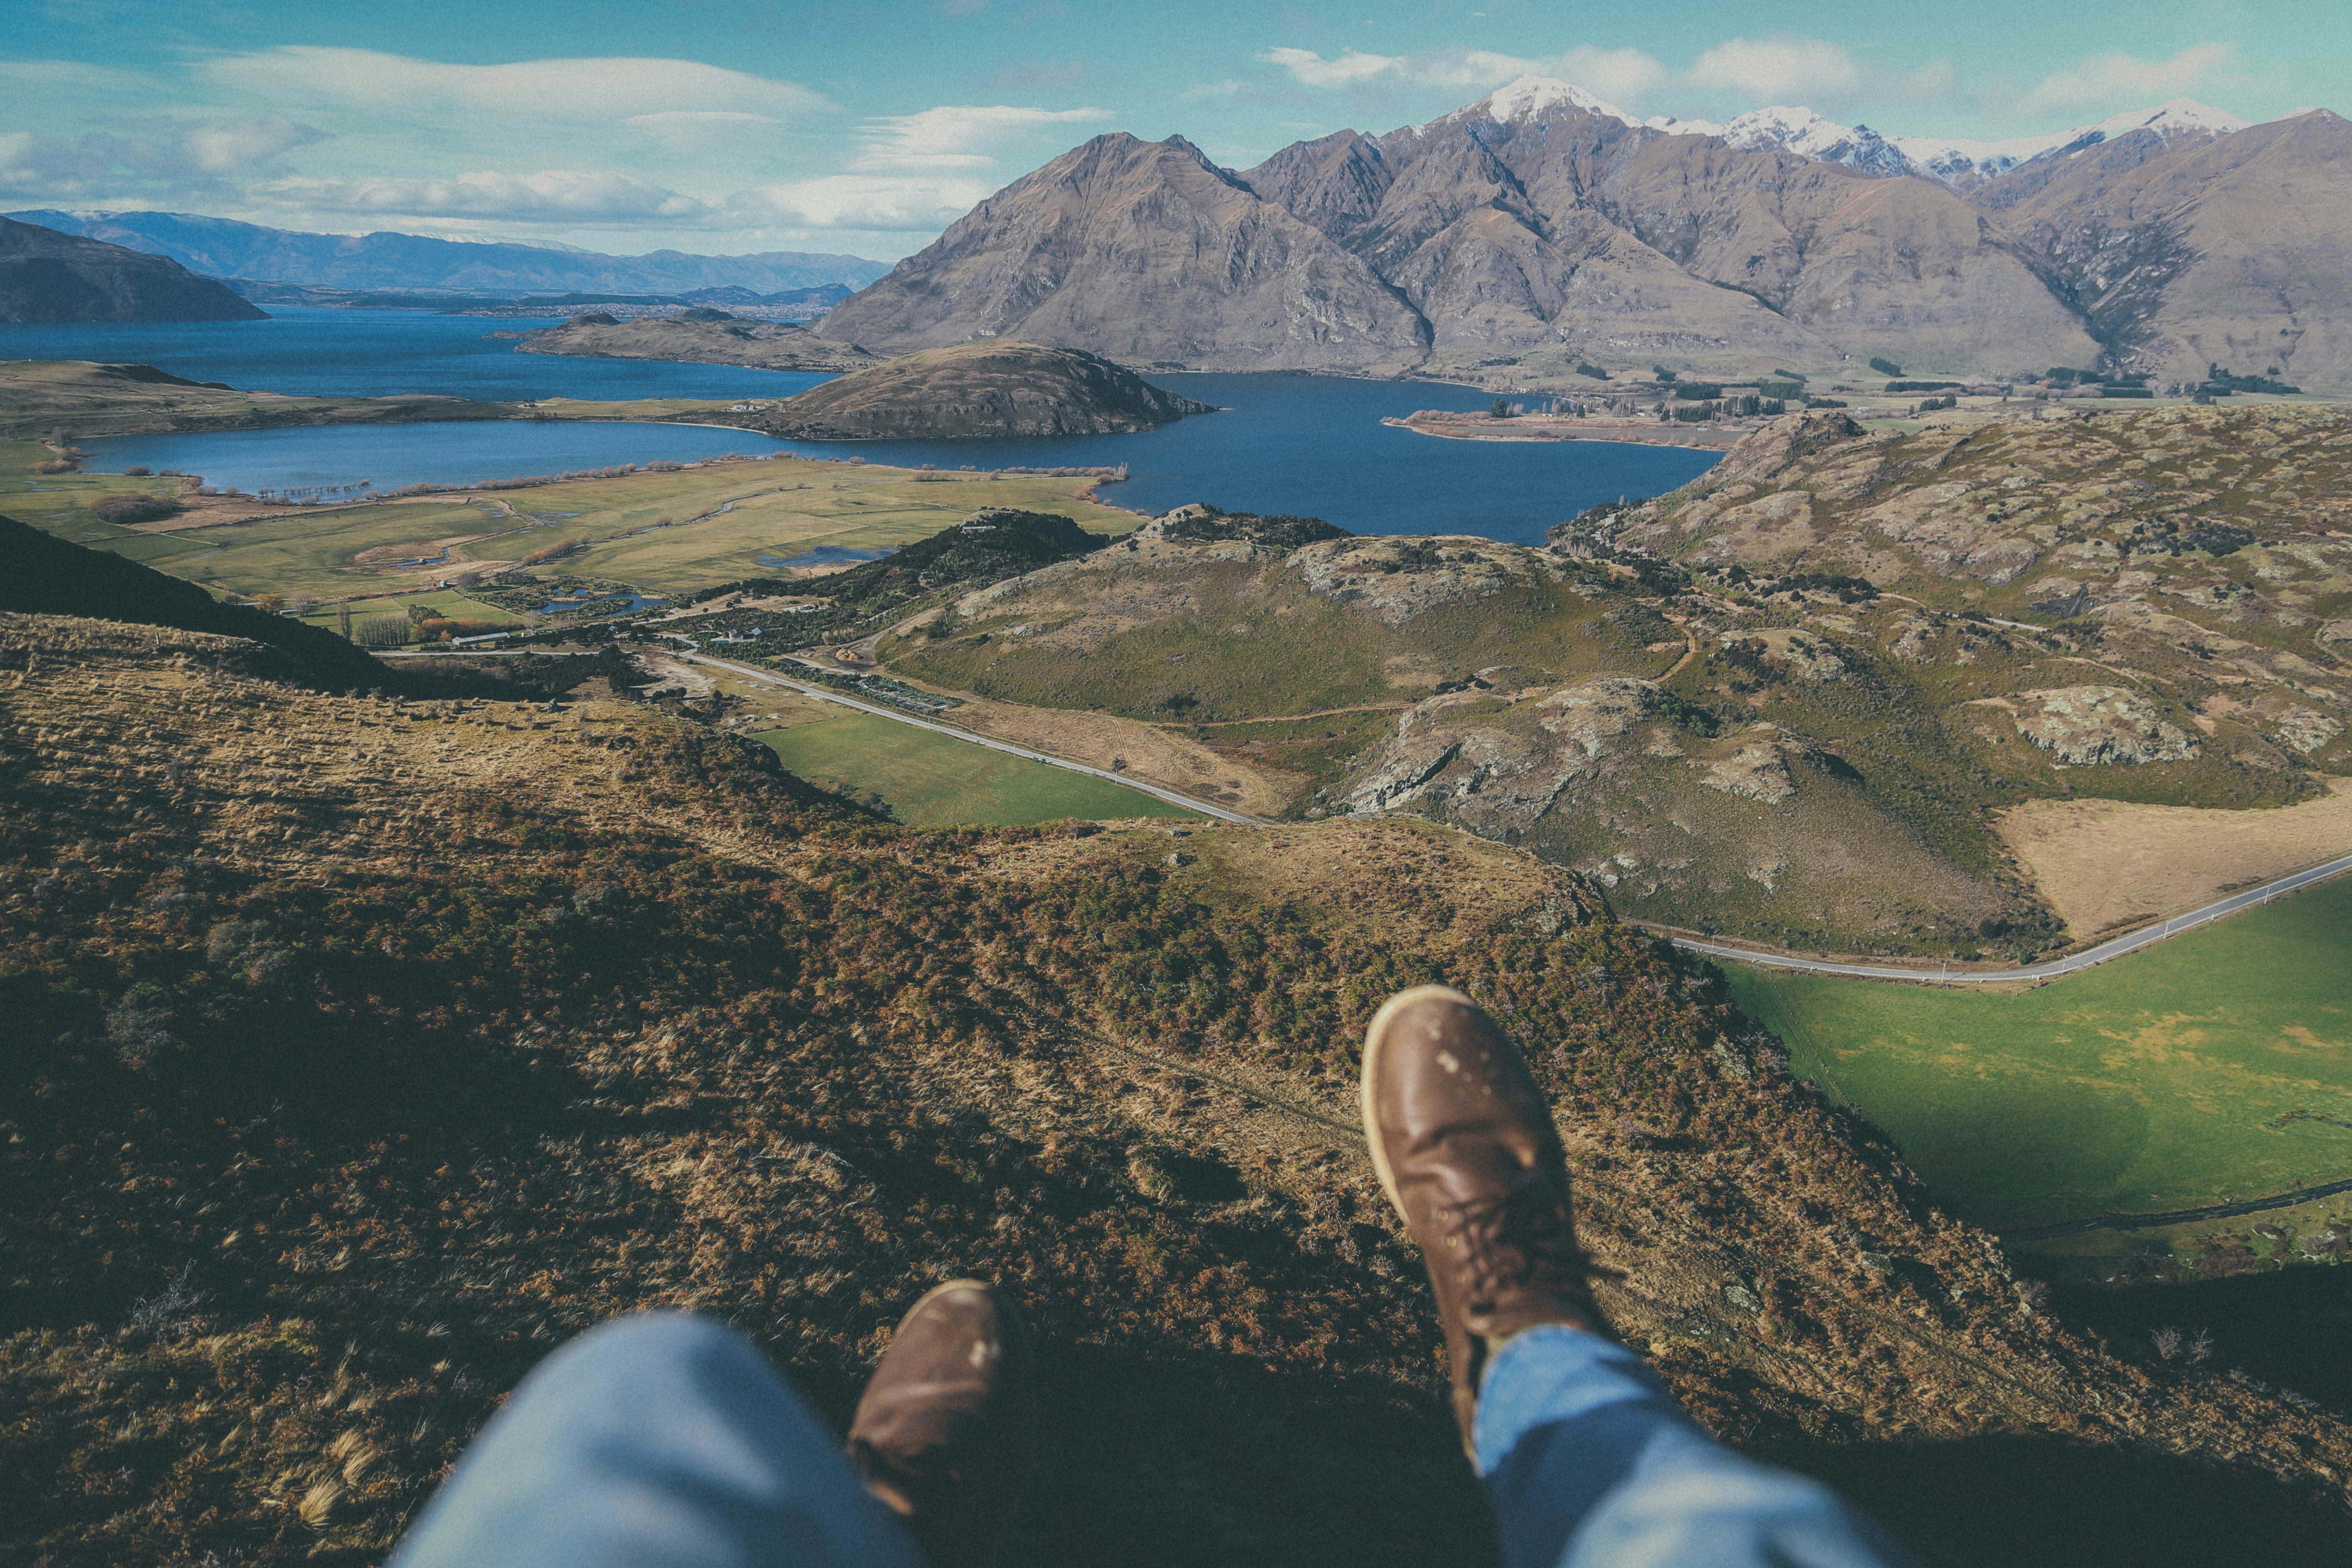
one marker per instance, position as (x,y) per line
(715,125)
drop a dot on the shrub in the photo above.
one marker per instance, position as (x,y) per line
(137,471)
(1886,367)
(125,509)
(1694,390)
(1594,370)
(1781,389)
(1921,386)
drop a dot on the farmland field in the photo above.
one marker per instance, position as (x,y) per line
(2211,1067)
(666,532)
(931,779)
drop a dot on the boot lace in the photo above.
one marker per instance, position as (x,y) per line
(1519,1243)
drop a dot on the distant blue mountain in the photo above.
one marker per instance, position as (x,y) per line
(222,248)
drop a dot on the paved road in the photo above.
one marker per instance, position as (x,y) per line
(826,694)
(2051,970)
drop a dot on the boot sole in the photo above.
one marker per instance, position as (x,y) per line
(1375,1038)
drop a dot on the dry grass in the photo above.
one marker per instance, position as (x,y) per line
(466,1026)
(2104,864)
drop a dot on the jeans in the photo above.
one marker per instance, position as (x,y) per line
(666,1441)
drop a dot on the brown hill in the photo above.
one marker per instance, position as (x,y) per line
(46,276)
(769,345)
(2236,250)
(976,390)
(365,1051)
(1145,252)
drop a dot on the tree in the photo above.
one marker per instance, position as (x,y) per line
(1502,408)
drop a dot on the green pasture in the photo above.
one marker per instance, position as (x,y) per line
(2209,1069)
(781,509)
(313,551)
(931,780)
(441,602)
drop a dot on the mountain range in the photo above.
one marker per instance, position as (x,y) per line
(46,276)
(1539,229)
(223,247)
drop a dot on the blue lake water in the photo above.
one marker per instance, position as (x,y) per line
(385,456)
(1304,444)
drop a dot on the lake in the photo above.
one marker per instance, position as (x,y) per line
(1311,445)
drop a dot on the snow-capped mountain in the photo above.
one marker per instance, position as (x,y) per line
(1800,131)
(1961,164)
(1530,97)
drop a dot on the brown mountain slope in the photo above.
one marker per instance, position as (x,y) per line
(1844,264)
(991,389)
(1145,252)
(402,1073)
(2237,251)
(1536,236)
(46,276)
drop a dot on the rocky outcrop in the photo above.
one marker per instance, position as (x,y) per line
(2085,726)
(1397,578)
(46,276)
(978,390)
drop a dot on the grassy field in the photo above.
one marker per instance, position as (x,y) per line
(932,781)
(667,532)
(441,601)
(2209,1069)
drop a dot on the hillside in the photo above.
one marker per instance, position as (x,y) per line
(767,345)
(373,1047)
(224,247)
(2235,251)
(1099,250)
(46,575)
(978,391)
(1786,701)
(46,276)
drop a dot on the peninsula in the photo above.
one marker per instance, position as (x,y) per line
(974,391)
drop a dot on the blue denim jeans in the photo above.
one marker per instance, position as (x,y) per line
(1589,1461)
(666,1441)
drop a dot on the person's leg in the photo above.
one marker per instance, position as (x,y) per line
(1585,1455)
(1590,1462)
(654,1441)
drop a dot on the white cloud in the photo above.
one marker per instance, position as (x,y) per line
(1619,75)
(551,195)
(1353,66)
(1779,70)
(596,89)
(200,161)
(878,203)
(684,128)
(2122,80)
(955,136)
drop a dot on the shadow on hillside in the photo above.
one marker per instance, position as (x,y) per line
(2290,1327)
(2009,1502)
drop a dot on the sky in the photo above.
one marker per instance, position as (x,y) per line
(725,127)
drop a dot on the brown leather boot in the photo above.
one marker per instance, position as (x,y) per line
(944,1431)
(1466,1148)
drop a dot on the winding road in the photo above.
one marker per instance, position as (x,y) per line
(2075,962)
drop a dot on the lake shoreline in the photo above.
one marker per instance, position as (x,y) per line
(1529,430)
